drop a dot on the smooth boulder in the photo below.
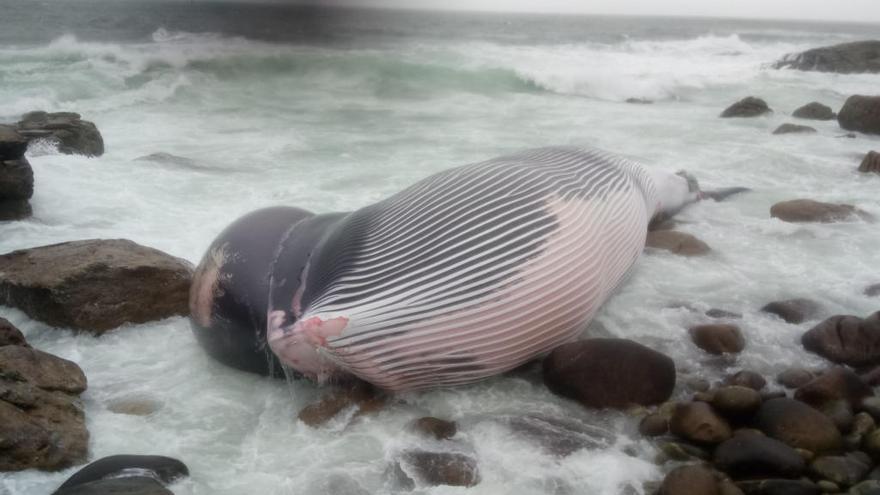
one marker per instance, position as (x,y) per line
(797,425)
(752,455)
(16,176)
(837,383)
(699,423)
(846,339)
(871,163)
(843,470)
(793,311)
(814,111)
(788,128)
(676,242)
(747,107)
(718,338)
(808,210)
(67,130)
(95,285)
(609,373)
(860,113)
(10,334)
(692,479)
(844,58)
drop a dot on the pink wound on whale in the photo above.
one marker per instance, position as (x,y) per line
(317,330)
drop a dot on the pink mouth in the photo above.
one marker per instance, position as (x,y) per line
(300,345)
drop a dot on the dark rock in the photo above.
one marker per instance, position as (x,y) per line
(10,335)
(679,451)
(807,210)
(844,470)
(73,135)
(435,427)
(798,425)
(131,485)
(778,487)
(872,290)
(814,111)
(690,480)
(718,338)
(794,377)
(840,412)
(871,443)
(16,179)
(871,405)
(676,243)
(609,373)
(42,369)
(653,425)
(794,129)
(12,144)
(747,107)
(871,164)
(746,378)
(846,339)
(161,468)
(837,383)
(95,285)
(721,313)
(558,436)
(736,402)
(860,113)
(439,468)
(793,310)
(863,424)
(361,396)
(844,58)
(698,422)
(14,209)
(869,487)
(752,455)
(727,487)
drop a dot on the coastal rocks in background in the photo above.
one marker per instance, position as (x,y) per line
(871,163)
(422,468)
(95,285)
(860,113)
(609,373)
(16,176)
(807,210)
(845,58)
(42,424)
(718,338)
(794,129)
(358,396)
(437,428)
(676,243)
(814,111)
(793,311)
(67,130)
(797,425)
(753,455)
(130,471)
(846,339)
(747,107)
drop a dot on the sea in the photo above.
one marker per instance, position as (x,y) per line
(330,109)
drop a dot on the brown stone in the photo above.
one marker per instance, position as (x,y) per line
(798,425)
(10,335)
(837,383)
(778,487)
(807,210)
(871,163)
(718,338)
(793,310)
(794,377)
(676,242)
(860,113)
(736,402)
(42,369)
(14,209)
(814,111)
(747,107)
(846,340)
(844,470)
(435,427)
(95,285)
(359,395)
(653,425)
(693,479)
(16,179)
(753,455)
(439,468)
(72,135)
(746,378)
(609,373)
(788,128)
(698,422)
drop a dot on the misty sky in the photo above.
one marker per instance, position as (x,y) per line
(836,10)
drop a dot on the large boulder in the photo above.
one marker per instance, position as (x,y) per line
(752,455)
(423,468)
(846,339)
(67,130)
(41,369)
(692,479)
(793,311)
(860,113)
(16,176)
(797,425)
(12,144)
(838,383)
(807,210)
(747,107)
(871,163)
(718,338)
(814,111)
(676,242)
(789,128)
(609,373)
(95,285)
(845,58)
(10,335)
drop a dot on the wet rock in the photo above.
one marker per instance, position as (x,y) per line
(699,423)
(158,468)
(872,290)
(747,107)
(14,209)
(12,144)
(16,176)
(722,313)
(814,111)
(558,436)
(95,285)
(778,487)
(132,485)
(871,405)
(794,129)
(798,425)
(870,487)
(752,455)
(690,480)
(807,210)
(860,113)
(871,164)
(871,444)
(42,369)
(653,425)
(360,396)
(846,340)
(438,468)
(676,243)
(10,335)
(718,338)
(837,383)
(736,402)
(72,135)
(746,378)
(794,377)
(16,179)
(609,373)
(678,451)
(863,424)
(843,58)
(795,310)
(435,427)
(840,412)
(843,470)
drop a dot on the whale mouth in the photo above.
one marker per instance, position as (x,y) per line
(303,344)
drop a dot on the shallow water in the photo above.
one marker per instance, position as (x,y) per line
(357,107)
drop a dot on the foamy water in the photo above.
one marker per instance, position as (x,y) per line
(330,126)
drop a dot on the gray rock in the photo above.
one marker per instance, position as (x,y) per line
(844,58)
(808,210)
(794,129)
(747,107)
(12,144)
(752,455)
(846,339)
(844,470)
(860,113)
(423,468)
(794,377)
(558,436)
(434,427)
(16,179)
(675,242)
(870,164)
(10,335)
(814,111)
(794,310)
(798,425)
(778,487)
(14,209)
(73,135)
